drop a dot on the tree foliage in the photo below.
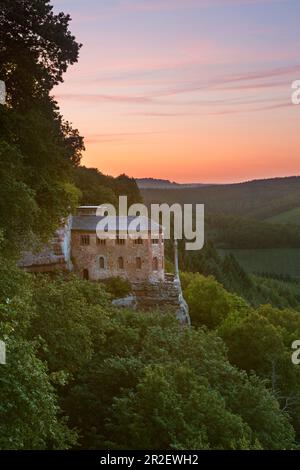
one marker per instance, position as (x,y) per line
(38,149)
(97,188)
(152,385)
(30,417)
(208,301)
(121,378)
(36,49)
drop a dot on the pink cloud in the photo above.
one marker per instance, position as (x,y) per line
(95,98)
(154,5)
(219,82)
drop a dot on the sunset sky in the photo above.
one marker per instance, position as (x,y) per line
(187,90)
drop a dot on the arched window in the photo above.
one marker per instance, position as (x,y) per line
(121,262)
(101,262)
(155,264)
(138,263)
(85,274)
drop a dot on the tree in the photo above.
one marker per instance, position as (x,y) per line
(261,342)
(68,319)
(30,417)
(254,344)
(36,49)
(172,407)
(153,385)
(127,186)
(29,412)
(208,301)
(97,188)
(38,149)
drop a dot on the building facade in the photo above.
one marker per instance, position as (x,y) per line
(79,246)
(100,254)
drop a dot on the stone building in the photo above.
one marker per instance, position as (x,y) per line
(79,246)
(97,255)
(101,254)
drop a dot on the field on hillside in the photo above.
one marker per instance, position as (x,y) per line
(288,217)
(284,262)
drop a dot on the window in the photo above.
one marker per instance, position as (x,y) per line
(155,264)
(155,241)
(101,241)
(121,263)
(85,274)
(57,249)
(84,240)
(120,241)
(101,262)
(138,241)
(138,263)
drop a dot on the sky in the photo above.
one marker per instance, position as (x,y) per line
(185,90)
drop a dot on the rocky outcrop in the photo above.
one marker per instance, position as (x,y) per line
(51,257)
(126,302)
(164,295)
(2,353)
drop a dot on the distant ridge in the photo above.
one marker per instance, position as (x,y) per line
(156,183)
(256,199)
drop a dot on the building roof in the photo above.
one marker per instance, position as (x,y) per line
(89,223)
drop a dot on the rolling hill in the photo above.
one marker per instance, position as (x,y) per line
(258,199)
(256,221)
(291,216)
(154,183)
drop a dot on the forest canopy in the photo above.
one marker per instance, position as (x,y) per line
(83,374)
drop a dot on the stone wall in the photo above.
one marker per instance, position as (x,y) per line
(53,256)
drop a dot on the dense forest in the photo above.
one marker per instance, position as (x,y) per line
(83,374)
(256,222)
(279,290)
(256,199)
(256,214)
(86,375)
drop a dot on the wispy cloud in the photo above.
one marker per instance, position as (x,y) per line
(268,73)
(100,98)
(235,80)
(117,136)
(158,5)
(253,86)
(229,83)
(206,111)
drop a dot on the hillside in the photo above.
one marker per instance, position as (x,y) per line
(149,183)
(256,199)
(256,221)
(291,216)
